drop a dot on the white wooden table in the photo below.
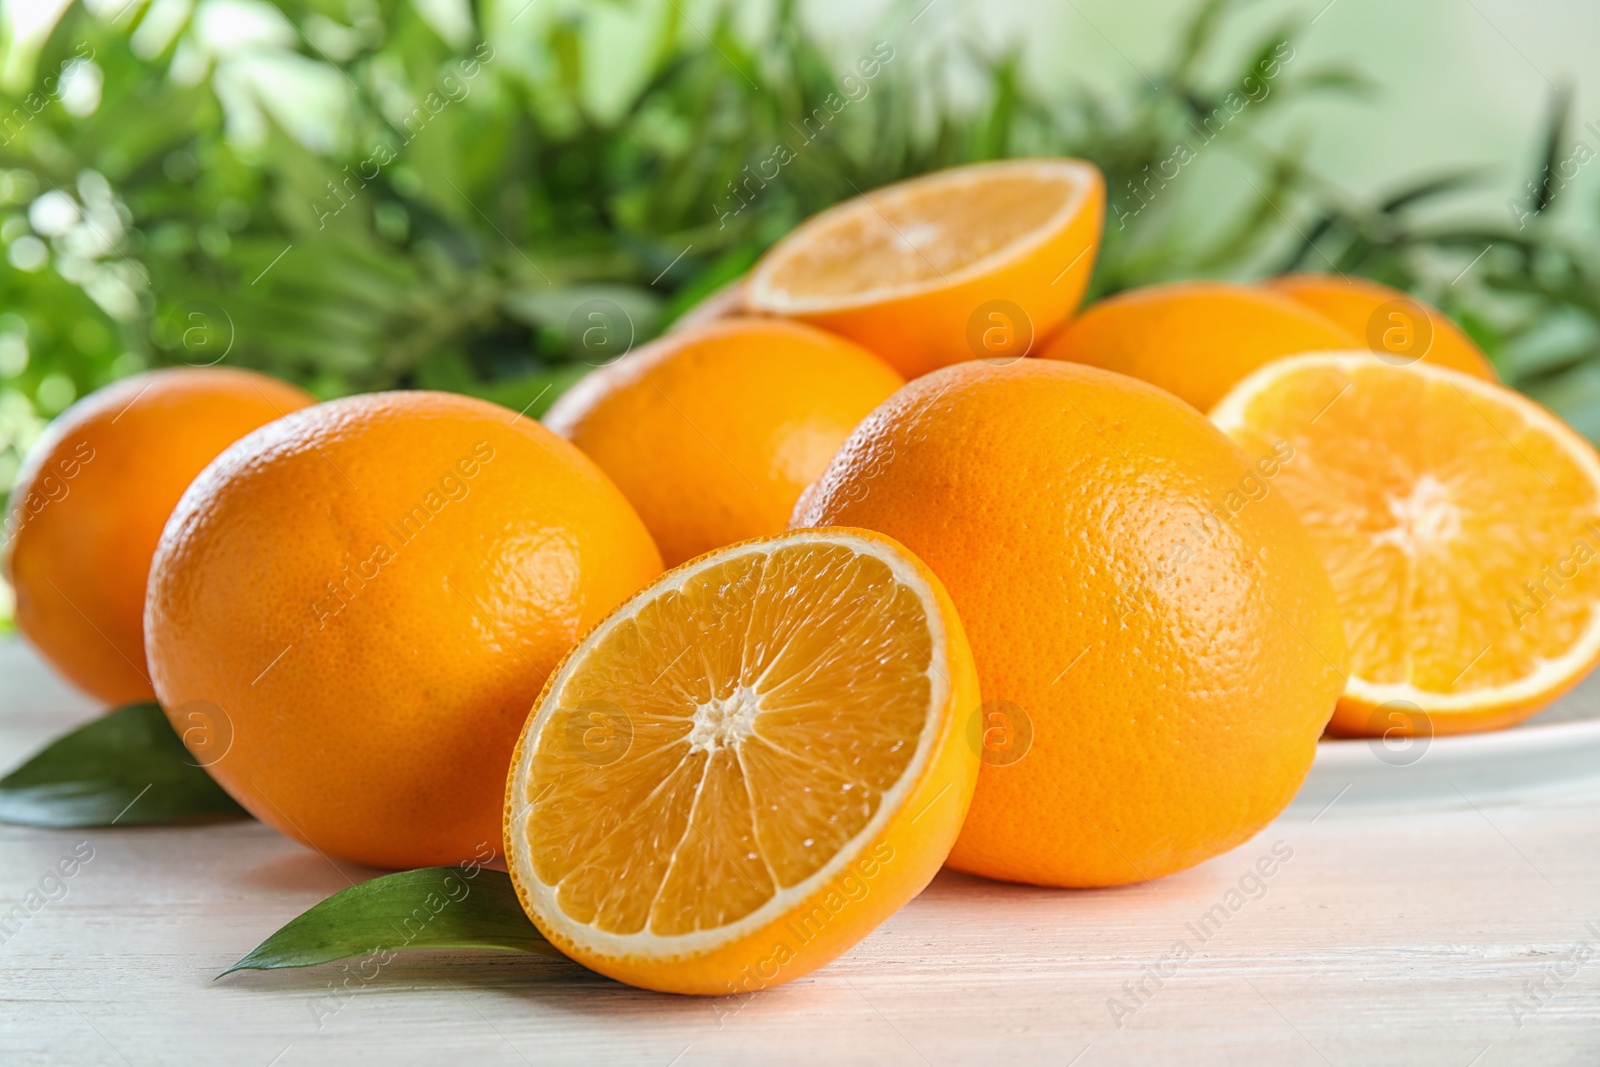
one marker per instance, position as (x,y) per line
(1404,938)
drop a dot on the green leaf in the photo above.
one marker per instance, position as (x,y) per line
(1430,187)
(1336,80)
(126,769)
(1197,36)
(1555,136)
(434,907)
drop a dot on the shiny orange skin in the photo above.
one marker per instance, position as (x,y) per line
(368,596)
(1194,339)
(1354,302)
(1131,587)
(713,432)
(89,503)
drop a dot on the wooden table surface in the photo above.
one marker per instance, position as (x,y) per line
(1462,933)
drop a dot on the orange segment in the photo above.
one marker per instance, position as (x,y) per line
(909,269)
(1387,320)
(748,766)
(1458,520)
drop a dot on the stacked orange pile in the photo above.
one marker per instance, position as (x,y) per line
(934,598)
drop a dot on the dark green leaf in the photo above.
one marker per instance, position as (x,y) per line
(126,769)
(1265,59)
(1197,37)
(1431,187)
(330,263)
(435,907)
(995,139)
(1337,80)
(1555,136)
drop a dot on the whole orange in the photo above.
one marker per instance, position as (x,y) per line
(1387,321)
(713,432)
(1158,647)
(1195,339)
(90,501)
(352,611)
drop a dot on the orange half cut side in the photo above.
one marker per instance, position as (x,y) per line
(747,767)
(1460,523)
(945,267)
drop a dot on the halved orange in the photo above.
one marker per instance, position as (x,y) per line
(972,262)
(1460,523)
(1392,323)
(747,767)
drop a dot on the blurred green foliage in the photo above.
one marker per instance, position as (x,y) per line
(355,196)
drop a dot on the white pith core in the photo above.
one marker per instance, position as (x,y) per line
(718,723)
(1425,520)
(724,722)
(920,236)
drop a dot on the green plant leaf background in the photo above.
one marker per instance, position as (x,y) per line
(367,197)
